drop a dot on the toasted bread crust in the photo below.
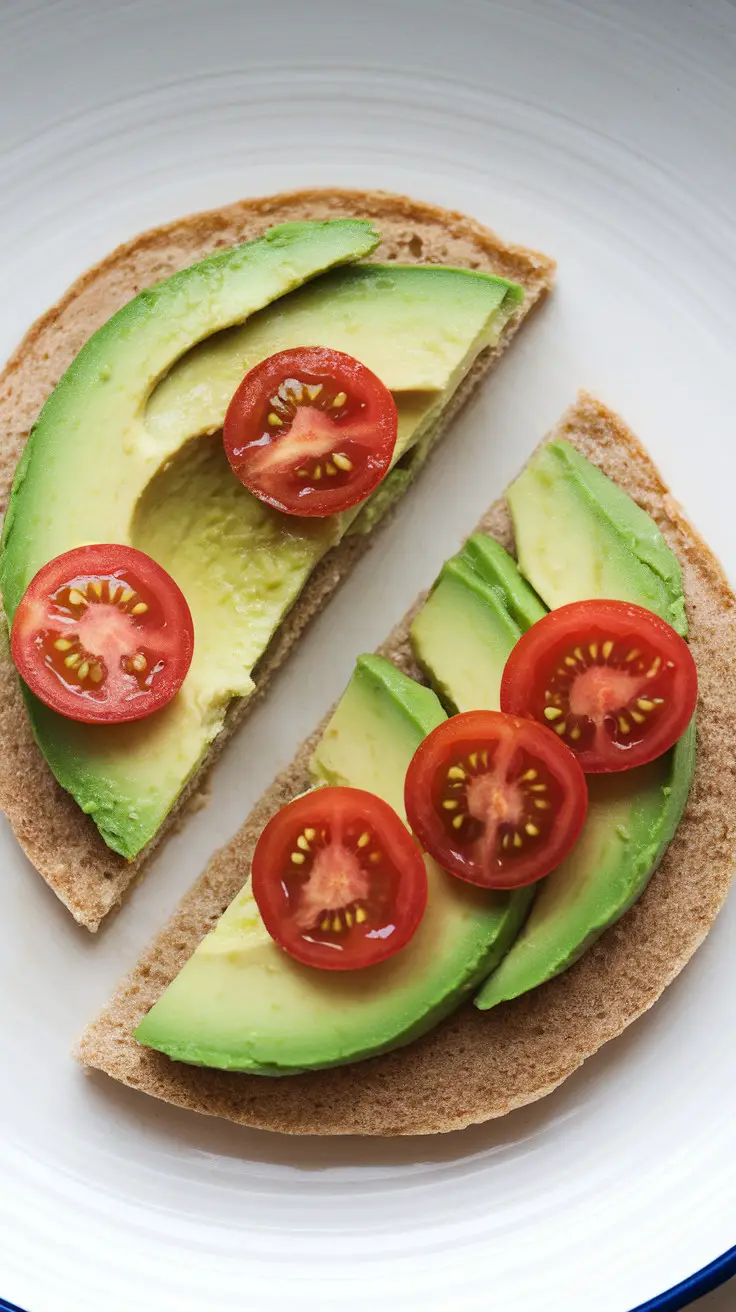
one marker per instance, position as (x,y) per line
(63,844)
(479,1065)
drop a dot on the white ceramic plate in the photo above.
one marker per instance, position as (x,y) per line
(602,133)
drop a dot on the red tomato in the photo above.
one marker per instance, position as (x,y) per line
(494,799)
(613,681)
(311,431)
(339,881)
(103,634)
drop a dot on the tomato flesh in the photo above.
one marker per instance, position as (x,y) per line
(103,635)
(338,879)
(612,680)
(311,431)
(495,799)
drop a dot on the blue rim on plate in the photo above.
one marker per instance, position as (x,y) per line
(703,1282)
(682,1295)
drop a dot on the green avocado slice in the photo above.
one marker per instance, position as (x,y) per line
(495,566)
(140,390)
(578,536)
(475,614)
(349,311)
(462,638)
(242,1004)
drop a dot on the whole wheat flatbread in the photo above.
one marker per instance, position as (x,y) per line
(63,844)
(478,1065)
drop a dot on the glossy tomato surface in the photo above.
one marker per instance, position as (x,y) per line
(338,879)
(612,680)
(495,799)
(311,431)
(103,634)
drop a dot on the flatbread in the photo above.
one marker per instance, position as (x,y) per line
(479,1065)
(63,844)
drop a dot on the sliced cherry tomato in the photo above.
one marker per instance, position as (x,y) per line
(339,881)
(495,799)
(614,682)
(311,431)
(103,634)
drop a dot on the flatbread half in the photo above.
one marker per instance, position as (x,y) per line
(62,843)
(480,1065)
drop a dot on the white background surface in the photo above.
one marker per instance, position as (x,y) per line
(602,133)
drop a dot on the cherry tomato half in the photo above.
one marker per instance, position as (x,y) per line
(614,682)
(338,879)
(103,634)
(496,800)
(311,431)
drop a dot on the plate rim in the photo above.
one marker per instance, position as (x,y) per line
(702,1282)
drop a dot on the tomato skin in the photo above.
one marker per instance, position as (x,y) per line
(518,795)
(311,431)
(613,680)
(103,635)
(338,879)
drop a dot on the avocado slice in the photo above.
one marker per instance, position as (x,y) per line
(497,568)
(242,1004)
(148,385)
(477,611)
(579,535)
(348,310)
(462,638)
